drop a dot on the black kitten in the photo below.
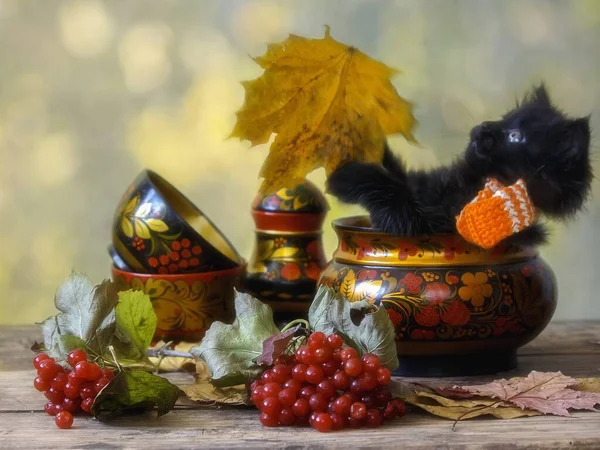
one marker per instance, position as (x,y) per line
(535,141)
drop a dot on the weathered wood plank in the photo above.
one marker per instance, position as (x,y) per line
(566,338)
(573,348)
(15,344)
(560,338)
(182,429)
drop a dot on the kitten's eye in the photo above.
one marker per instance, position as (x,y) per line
(515,136)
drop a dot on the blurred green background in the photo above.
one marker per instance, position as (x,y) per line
(93,91)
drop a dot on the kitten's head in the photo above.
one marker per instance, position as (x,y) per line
(538,143)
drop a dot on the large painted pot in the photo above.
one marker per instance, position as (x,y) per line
(457,309)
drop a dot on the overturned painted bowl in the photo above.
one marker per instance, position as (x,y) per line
(156,229)
(185,304)
(457,309)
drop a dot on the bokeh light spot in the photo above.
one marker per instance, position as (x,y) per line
(532,21)
(207,50)
(55,160)
(461,109)
(85,27)
(143,56)
(258,22)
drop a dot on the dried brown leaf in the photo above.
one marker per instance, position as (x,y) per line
(403,389)
(204,391)
(451,391)
(588,385)
(547,392)
(471,403)
(466,409)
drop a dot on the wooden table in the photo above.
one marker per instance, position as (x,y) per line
(573,348)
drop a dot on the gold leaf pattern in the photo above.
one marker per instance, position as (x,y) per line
(131,205)
(127,227)
(141,229)
(285,253)
(347,286)
(157,225)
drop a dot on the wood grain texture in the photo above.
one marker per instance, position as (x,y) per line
(184,429)
(573,348)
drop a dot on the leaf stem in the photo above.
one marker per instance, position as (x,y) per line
(295,322)
(162,352)
(479,408)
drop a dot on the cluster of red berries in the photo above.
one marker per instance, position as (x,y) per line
(183,256)
(69,391)
(138,243)
(326,386)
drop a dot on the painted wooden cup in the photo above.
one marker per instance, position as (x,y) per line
(185,304)
(457,309)
(156,229)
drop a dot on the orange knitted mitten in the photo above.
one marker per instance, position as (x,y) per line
(496,213)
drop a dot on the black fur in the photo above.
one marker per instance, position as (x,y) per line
(552,157)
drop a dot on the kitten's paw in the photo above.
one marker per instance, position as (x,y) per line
(347,182)
(390,224)
(532,236)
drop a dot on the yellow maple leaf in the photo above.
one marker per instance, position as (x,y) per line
(327,102)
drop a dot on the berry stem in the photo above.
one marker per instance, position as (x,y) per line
(295,322)
(111,349)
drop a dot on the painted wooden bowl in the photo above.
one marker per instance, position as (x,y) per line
(156,229)
(457,309)
(288,254)
(185,304)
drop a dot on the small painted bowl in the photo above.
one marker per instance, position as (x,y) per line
(156,229)
(457,309)
(185,304)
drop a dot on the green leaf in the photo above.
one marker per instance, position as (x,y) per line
(88,320)
(51,338)
(135,316)
(135,391)
(367,326)
(321,309)
(230,350)
(69,343)
(102,320)
(86,312)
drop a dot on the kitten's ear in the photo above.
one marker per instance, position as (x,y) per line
(541,95)
(538,95)
(577,138)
